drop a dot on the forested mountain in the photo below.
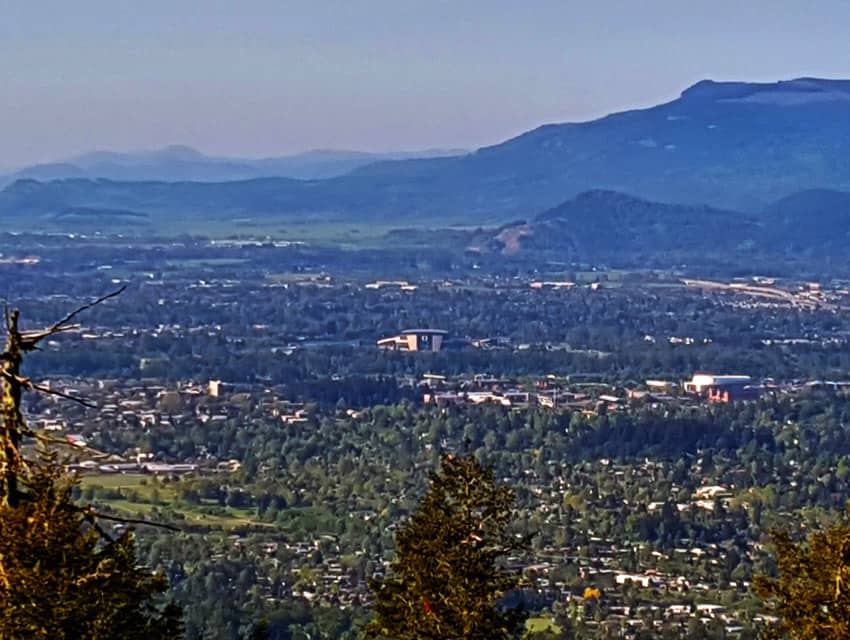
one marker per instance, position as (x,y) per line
(815,220)
(733,145)
(604,225)
(730,145)
(621,229)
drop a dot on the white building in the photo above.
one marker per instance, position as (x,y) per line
(702,382)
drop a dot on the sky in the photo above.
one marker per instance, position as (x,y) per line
(258,78)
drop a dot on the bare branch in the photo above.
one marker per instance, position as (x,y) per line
(148,523)
(37,387)
(100,531)
(33,337)
(79,310)
(30,339)
(94,454)
(29,385)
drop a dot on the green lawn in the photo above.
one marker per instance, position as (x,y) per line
(540,624)
(115,481)
(225,519)
(155,495)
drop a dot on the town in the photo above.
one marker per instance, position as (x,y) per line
(283,411)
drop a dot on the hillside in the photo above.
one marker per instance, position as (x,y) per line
(611,226)
(178,163)
(814,221)
(617,228)
(733,146)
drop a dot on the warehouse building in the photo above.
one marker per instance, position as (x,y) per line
(723,388)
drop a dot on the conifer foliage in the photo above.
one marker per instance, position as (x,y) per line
(446,581)
(62,576)
(60,579)
(811,595)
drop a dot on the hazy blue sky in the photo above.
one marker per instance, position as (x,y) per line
(266,77)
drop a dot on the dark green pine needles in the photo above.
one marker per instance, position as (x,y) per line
(447,581)
(811,595)
(62,577)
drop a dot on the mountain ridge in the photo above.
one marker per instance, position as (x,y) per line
(181,163)
(729,145)
(609,225)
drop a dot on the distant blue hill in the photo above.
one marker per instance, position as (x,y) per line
(178,163)
(729,145)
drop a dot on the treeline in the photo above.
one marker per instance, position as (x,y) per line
(785,462)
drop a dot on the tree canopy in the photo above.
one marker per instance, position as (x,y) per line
(447,581)
(62,576)
(811,594)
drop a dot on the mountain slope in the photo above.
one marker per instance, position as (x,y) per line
(732,145)
(736,146)
(816,220)
(606,225)
(618,228)
(179,163)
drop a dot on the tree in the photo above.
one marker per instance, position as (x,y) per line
(259,631)
(811,595)
(446,581)
(61,575)
(60,578)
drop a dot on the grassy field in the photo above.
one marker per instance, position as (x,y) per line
(312,229)
(116,481)
(150,494)
(229,519)
(540,624)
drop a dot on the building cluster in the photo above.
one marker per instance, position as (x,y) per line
(592,395)
(760,291)
(415,340)
(588,393)
(324,575)
(126,409)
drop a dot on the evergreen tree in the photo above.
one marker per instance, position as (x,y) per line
(62,576)
(446,581)
(811,595)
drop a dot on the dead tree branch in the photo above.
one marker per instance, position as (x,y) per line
(30,339)
(147,523)
(13,426)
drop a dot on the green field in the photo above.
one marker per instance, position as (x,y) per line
(116,481)
(316,229)
(149,494)
(230,519)
(540,624)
